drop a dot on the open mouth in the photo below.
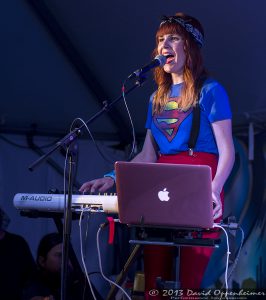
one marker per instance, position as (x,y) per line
(169,58)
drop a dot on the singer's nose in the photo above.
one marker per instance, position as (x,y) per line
(165,43)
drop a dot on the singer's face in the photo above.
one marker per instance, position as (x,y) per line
(172,45)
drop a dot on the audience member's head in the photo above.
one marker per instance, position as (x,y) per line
(49,253)
(4,219)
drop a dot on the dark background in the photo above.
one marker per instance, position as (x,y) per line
(61,59)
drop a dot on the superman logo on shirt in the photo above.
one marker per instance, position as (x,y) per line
(169,120)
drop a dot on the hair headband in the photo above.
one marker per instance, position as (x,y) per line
(196,34)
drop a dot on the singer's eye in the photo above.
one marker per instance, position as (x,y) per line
(175,38)
(169,38)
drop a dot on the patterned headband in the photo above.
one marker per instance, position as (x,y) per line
(198,37)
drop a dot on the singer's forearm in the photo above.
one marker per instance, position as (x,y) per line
(223,135)
(148,152)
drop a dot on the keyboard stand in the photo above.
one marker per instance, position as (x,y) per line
(186,240)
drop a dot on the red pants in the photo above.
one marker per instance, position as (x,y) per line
(158,260)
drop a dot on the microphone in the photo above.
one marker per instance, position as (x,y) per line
(159,60)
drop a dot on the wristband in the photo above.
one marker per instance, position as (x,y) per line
(110,174)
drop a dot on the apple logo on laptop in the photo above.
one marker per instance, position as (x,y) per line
(163,195)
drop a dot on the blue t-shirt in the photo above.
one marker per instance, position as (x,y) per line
(171,128)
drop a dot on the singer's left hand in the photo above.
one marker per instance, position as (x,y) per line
(217,211)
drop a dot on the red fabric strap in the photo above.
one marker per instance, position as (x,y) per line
(111,230)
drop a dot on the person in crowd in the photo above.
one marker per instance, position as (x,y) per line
(183,87)
(16,261)
(46,284)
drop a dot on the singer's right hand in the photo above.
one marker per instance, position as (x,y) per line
(100,185)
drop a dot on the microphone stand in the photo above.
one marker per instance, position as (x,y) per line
(68,142)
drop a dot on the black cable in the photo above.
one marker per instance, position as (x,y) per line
(92,138)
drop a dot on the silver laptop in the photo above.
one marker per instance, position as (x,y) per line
(164,195)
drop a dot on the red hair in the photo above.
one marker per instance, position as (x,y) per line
(194,72)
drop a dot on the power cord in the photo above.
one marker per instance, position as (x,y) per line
(230,226)
(227,253)
(100,260)
(238,253)
(131,122)
(82,254)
